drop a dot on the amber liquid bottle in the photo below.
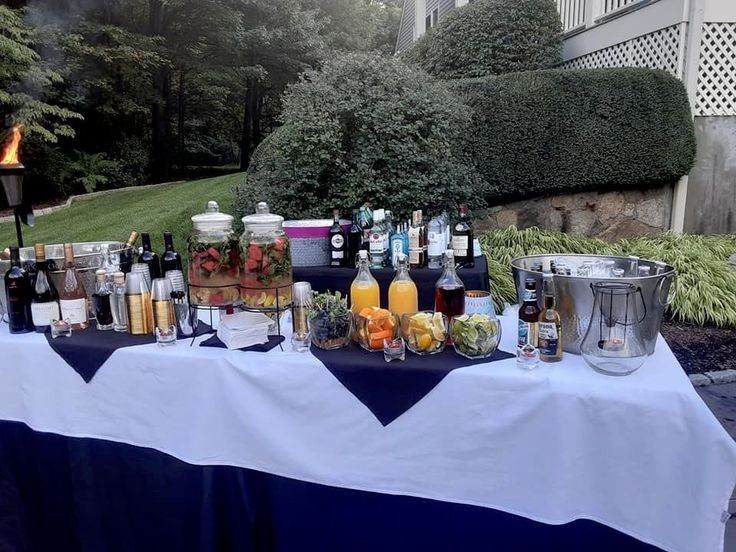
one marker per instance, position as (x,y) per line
(550,325)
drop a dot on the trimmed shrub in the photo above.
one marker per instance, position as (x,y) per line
(705,293)
(560,131)
(364,128)
(491,37)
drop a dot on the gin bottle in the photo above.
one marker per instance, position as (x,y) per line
(117,302)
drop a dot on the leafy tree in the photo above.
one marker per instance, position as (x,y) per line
(24,78)
(364,127)
(491,37)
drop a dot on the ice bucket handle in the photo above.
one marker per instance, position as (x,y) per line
(658,290)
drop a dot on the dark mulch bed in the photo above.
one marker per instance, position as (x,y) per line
(701,349)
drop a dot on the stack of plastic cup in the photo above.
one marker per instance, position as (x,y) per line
(141,268)
(302,299)
(176,277)
(186,317)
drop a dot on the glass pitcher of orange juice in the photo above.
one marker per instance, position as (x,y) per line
(364,291)
(402,293)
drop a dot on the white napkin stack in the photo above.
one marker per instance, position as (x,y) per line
(244,329)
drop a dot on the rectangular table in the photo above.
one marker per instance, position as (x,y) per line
(214,449)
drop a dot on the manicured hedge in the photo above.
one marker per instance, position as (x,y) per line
(559,131)
(491,37)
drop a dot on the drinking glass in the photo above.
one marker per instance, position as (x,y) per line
(165,337)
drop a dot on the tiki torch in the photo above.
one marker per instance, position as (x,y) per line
(11,176)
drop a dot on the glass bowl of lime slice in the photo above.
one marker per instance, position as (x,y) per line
(476,335)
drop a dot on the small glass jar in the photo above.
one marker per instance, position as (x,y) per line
(266,279)
(214,259)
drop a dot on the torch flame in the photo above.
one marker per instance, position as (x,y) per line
(10,155)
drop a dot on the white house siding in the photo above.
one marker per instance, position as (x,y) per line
(446,6)
(406,30)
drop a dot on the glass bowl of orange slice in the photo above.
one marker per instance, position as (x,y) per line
(372,326)
(425,332)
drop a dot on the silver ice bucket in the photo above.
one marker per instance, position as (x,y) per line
(87,258)
(575,296)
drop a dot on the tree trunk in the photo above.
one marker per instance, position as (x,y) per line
(251,132)
(180,125)
(160,159)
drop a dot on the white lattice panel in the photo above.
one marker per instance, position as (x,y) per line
(657,50)
(716,92)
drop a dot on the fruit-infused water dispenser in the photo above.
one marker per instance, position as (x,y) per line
(266,279)
(214,259)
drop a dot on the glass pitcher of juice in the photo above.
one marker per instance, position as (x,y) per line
(402,294)
(364,291)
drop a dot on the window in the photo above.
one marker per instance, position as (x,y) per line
(431,20)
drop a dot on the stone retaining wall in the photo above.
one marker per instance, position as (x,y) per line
(606,215)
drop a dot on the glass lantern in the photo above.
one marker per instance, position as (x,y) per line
(266,279)
(214,259)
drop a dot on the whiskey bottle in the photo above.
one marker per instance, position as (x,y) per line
(462,240)
(72,296)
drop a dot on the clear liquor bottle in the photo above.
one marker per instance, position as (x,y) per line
(72,295)
(378,243)
(416,241)
(117,303)
(435,245)
(44,298)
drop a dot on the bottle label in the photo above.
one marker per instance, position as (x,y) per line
(527,333)
(397,247)
(548,338)
(74,309)
(338,242)
(530,295)
(43,313)
(414,255)
(460,245)
(376,244)
(414,239)
(434,244)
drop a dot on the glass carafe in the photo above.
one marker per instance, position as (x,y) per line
(267,274)
(214,259)
(613,343)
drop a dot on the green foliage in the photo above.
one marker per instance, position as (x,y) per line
(491,37)
(24,79)
(328,305)
(363,128)
(89,171)
(705,293)
(560,131)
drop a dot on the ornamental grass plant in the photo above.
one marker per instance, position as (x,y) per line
(705,292)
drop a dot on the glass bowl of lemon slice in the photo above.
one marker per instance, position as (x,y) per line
(425,332)
(476,335)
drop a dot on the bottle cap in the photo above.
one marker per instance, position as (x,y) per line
(118,278)
(363,254)
(450,253)
(100,274)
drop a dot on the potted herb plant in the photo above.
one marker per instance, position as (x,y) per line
(330,320)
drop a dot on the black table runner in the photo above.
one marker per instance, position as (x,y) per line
(324,278)
(273,342)
(389,389)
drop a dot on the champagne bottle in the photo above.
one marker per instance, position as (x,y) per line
(18,293)
(127,254)
(72,295)
(44,298)
(149,257)
(170,260)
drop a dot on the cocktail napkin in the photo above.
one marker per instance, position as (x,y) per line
(244,329)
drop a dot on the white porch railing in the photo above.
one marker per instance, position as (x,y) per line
(572,13)
(579,14)
(612,5)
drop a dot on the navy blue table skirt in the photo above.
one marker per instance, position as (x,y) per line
(339,279)
(59,493)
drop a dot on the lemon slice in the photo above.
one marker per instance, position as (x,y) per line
(424,342)
(438,331)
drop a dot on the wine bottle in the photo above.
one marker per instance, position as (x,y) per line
(355,240)
(149,257)
(101,301)
(44,297)
(72,296)
(18,293)
(127,254)
(170,260)
(338,242)
(462,240)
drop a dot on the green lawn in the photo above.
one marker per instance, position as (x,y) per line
(113,217)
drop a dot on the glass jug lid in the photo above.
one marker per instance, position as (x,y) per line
(212,220)
(263,221)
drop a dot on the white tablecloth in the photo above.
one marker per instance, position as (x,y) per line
(641,454)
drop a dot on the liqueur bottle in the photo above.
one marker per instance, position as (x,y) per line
(527,353)
(416,241)
(44,298)
(170,260)
(462,240)
(127,255)
(101,302)
(18,293)
(355,240)
(550,325)
(398,245)
(449,296)
(72,295)
(338,242)
(149,257)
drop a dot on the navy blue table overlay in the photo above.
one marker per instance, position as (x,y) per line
(389,389)
(339,279)
(88,495)
(86,351)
